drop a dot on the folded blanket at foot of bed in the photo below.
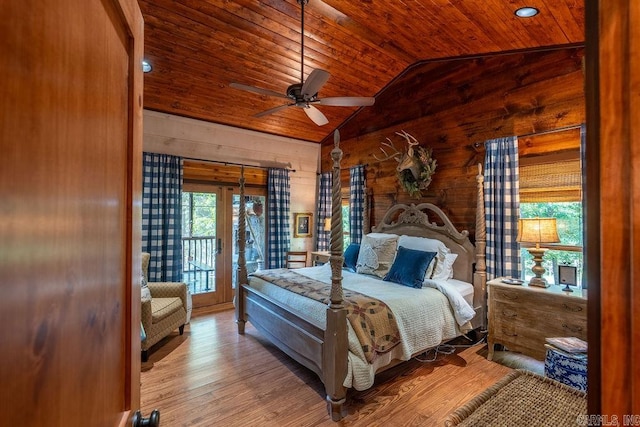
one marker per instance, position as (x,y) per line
(371,319)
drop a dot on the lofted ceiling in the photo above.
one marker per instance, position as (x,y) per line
(197,48)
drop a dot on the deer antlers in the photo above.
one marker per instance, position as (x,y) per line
(397,154)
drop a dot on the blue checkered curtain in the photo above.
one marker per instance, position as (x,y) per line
(278,201)
(502,206)
(162,216)
(324,211)
(357,185)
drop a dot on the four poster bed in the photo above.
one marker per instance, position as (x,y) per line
(320,331)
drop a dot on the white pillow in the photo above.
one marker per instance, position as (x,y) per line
(427,245)
(445,272)
(377,252)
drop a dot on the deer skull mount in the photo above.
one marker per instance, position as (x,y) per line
(415,164)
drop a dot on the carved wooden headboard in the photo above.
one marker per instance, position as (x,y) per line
(428,220)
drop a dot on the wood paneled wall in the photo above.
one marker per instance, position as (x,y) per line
(454,107)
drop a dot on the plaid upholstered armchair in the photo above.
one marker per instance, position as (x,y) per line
(164,308)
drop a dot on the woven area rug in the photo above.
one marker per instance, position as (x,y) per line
(522,399)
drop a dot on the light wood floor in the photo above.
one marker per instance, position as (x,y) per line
(211,376)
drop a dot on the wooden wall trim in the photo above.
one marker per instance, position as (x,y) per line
(616,119)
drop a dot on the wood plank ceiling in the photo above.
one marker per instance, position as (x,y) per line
(197,48)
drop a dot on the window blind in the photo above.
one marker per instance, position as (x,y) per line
(551,179)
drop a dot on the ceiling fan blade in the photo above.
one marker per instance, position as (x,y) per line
(314,82)
(257,90)
(316,115)
(272,110)
(348,101)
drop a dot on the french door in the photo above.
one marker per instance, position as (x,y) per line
(209,239)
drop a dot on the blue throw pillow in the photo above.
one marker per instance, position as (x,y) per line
(351,256)
(409,267)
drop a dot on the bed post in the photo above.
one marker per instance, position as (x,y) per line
(335,340)
(480,274)
(366,211)
(242,263)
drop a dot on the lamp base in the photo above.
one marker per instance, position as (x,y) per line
(538,281)
(538,269)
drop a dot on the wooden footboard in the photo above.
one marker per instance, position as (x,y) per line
(300,337)
(321,350)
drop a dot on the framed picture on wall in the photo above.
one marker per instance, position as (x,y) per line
(302,224)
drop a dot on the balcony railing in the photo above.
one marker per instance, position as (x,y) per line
(198,261)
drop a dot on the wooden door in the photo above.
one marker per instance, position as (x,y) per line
(71,103)
(613,209)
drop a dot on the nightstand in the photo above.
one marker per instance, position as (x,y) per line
(521,317)
(320,257)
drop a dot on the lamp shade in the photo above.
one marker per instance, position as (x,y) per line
(537,230)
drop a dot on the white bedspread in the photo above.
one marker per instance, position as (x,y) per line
(425,316)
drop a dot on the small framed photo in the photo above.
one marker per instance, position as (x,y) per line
(302,224)
(567,275)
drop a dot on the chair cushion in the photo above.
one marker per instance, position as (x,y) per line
(164,307)
(146,256)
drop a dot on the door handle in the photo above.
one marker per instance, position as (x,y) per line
(153,420)
(219,251)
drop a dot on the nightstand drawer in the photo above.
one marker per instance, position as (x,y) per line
(533,321)
(538,296)
(521,317)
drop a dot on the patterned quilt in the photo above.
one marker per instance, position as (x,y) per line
(371,319)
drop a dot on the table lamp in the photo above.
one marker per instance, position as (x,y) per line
(537,230)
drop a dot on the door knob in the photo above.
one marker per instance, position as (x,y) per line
(152,421)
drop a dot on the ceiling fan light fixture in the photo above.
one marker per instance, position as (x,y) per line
(526,12)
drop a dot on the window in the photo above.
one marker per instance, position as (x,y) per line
(551,187)
(569,251)
(199,240)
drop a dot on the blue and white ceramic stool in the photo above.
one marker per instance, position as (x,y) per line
(568,368)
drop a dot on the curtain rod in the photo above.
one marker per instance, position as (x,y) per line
(344,169)
(236,164)
(477,145)
(544,132)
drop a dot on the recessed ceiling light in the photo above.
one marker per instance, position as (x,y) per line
(146,67)
(526,12)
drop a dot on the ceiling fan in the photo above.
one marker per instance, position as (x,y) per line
(305,94)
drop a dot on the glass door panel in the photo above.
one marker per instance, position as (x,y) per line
(202,244)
